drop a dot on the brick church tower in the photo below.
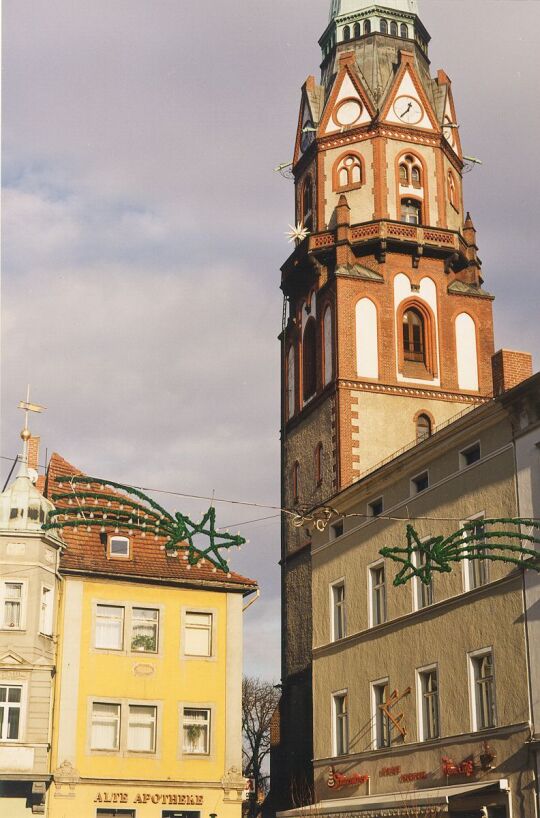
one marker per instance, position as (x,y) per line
(389,330)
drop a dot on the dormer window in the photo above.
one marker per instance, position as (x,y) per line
(119,548)
(384,26)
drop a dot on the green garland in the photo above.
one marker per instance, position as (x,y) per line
(90,508)
(472,542)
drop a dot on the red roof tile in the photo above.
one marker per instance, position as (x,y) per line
(86,551)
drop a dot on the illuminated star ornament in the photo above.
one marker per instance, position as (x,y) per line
(475,541)
(297,234)
(89,503)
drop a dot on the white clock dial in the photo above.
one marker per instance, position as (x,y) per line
(408,110)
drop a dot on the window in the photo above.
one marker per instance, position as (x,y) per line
(394,29)
(403,174)
(452,190)
(309,359)
(404,31)
(414,345)
(13,605)
(411,211)
(420,482)
(377,594)
(375,508)
(318,464)
(410,172)
(290,383)
(109,627)
(336,530)
(112,812)
(105,731)
(367,26)
(142,729)
(10,712)
(338,610)
(296,482)
(429,704)
(380,720)
(198,634)
(423,427)
(423,593)
(483,694)
(346,33)
(356,30)
(341,725)
(118,547)
(307,204)
(46,611)
(348,173)
(476,568)
(384,26)
(144,629)
(415,176)
(196,731)
(328,346)
(470,455)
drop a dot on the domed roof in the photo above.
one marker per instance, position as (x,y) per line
(338,7)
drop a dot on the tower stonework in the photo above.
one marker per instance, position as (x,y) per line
(389,330)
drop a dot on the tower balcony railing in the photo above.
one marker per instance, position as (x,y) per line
(386,229)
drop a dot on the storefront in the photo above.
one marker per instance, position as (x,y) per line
(22,796)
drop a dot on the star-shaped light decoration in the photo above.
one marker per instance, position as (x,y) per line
(297,234)
(91,502)
(475,541)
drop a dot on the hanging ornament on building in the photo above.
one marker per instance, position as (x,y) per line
(477,540)
(110,507)
(297,234)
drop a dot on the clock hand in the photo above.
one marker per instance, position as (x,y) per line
(406,111)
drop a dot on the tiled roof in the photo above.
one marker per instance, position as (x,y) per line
(86,551)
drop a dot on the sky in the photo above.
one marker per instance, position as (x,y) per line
(143,232)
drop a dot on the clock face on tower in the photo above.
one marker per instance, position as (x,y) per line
(408,110)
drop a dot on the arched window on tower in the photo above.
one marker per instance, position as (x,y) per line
(404,30)
(348,173)
(404,174)
(414,337)
(290,384)
(423,428)
(394,29)
(309,359)
(346,33)
(416,178)
(318,464)
(307,204)
(452,191)
(328,346)
(356,30)
(384,26)
(411,211)
(367,27)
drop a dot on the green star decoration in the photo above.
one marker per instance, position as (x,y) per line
(89,504)
(474,541)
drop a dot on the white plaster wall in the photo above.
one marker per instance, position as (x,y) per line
(233,692)
(347,91)
(406,88)
(367,347)
(395,147)
(361,200)
(466,351)
(70,668)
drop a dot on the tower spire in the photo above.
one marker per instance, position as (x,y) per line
(27,407)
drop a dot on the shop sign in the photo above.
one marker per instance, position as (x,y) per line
(450,768)
(417,776)
(336,781)
(388,772)
(148,798)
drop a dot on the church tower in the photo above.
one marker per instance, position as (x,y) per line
(389,330)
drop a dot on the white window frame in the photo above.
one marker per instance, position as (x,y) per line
(212,633)
(22,711)
(122,749)
(208,723)
(419,589)
(111,604)
(3,599)
(468,566)
(334,586)
(119,556)
(472,659)
(413,489)
(420,676)
(463,452)
(371,594)
(46,620)
(370,505)
(119,720)
(153,721)
(132,622)
(375,710)
(340,695)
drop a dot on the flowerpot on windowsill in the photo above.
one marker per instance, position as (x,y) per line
(143,644)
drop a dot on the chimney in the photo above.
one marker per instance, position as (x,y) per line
(33,452)
(509,369)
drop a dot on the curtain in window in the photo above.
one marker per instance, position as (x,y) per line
(144,629)
(198,634)
(109,627)
(12,605)
(142,729)
(196,723)
(105,726)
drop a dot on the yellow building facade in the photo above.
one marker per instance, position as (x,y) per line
(147,720)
